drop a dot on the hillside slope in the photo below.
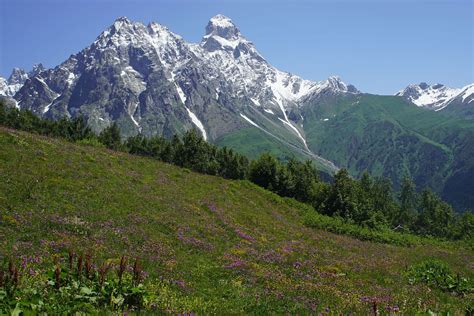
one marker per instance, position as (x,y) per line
(389,137)
(224,245)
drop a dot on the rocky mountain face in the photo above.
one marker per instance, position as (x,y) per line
(438,97)
(9,87)
(150,80)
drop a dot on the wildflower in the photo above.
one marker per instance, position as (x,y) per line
(24,262)
(79,265)
(236,264)
(15,277)
(88,265)
(243,235)
(180,283)
(103,272)
(2,277)
(374,307)
(57,276)
(71,259)
(11,268)
(122,268)
(137,271)
(13,273)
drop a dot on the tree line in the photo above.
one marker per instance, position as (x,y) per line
(368,201)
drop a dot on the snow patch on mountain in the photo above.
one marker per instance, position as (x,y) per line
(47,107)
(71,78)
(250,121)
(135,106)
(3,86)
(468,92)
(181,94)
(221,21)
(255,101)
(269,111)
(198,123)
(180,91)
(297,132)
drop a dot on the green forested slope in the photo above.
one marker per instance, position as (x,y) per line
(389,137)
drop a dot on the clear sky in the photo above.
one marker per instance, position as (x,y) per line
(380,46)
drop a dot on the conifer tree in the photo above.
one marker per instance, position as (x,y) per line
(465,226)
(436,218)
(3,112)
(110,137)
(341,200)
(264,172)
(303,180)
(407,210)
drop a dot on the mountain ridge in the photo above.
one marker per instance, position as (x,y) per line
(151,81)
(437,97)
(122,33)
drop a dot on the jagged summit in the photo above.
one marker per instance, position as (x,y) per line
(9,87)
(423,85)
(222,26)
(337,83)
(122,19)
(437,96)
(120,23)
(222,21)
(18,75)
(223,34)
(37,68)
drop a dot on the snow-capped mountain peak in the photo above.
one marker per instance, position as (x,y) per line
(37,68)
(151,81)
(222,26)
(9,87)
(223,35)
(121,23)
(122,19)
(120,33)
(435,97)
(17,76)
(337,83)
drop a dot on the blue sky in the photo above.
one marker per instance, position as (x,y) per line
(380,46)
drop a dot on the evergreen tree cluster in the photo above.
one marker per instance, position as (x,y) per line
(190,151)
(369,202)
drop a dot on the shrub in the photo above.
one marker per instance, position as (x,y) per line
(74,286)
(338,225)
(436,274)
(94,142)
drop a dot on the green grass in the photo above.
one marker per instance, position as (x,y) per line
(218,246)
(252,142)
